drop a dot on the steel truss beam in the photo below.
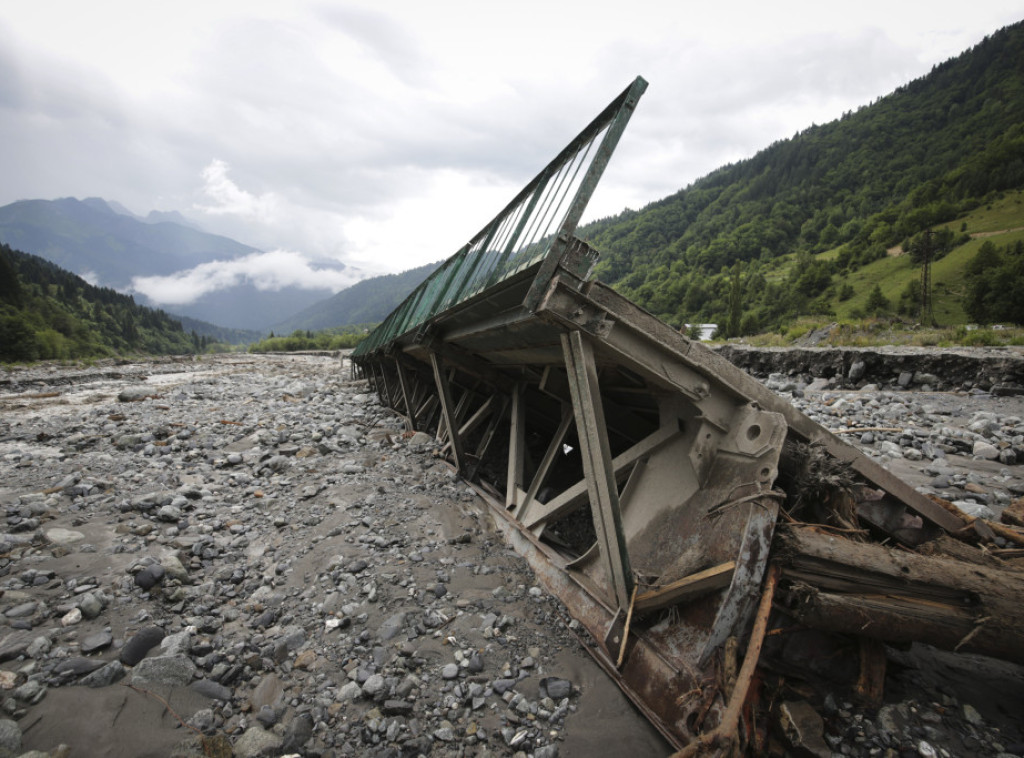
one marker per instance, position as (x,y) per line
(637,471)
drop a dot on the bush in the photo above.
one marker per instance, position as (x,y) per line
(53,345)
(980,338)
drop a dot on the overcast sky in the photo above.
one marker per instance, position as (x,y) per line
(384,134)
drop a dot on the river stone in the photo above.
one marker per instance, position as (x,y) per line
(392,626)
(77,666)
(135,394)
(257,742)
(150,576)
(96,642)
(174,567)
(298,732)
(350,691)
(986,450)
(104,676)
(59,536)
(267,692)
(211,689)
(555,688)
(420,438)
(397,708)
(178,643)
(31,692)
(15,644)
(21,610)
(169,513)
(803,729)
(975,510)
(10,737)
(501,686)
(90,605)
(374,686)
(140,644)
(172,670)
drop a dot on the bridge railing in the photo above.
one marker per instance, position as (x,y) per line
(533,227)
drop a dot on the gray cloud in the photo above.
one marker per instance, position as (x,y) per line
(388,134)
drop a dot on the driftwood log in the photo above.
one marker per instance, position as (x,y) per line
(897,596)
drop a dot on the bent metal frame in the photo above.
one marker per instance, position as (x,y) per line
(632,467)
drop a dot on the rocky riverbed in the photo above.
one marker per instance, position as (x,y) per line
(246,555)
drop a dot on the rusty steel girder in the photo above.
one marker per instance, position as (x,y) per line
(636,470)
(640,474)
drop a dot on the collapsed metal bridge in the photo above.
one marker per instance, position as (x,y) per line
(650,483)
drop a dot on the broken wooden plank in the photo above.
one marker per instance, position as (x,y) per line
(688,588)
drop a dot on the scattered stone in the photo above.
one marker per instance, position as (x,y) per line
(104,676)
(10,737)
(374,686)
(137,647)
(985,450)
(59,536)
(803,729)
(272,539)
(211,689)
(135,394)
(555,688)
(150,576)
(169,670)
(96,642)
(257,742)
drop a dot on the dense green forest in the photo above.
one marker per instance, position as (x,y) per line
(757,243)
(49,313)
(989,298)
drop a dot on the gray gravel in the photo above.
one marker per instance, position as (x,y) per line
(259,533)
(254,541)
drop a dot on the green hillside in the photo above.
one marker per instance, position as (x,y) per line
(365,302)
(1001,224)
(49,313)
(809,225)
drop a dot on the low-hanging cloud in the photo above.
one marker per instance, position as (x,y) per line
(265,271)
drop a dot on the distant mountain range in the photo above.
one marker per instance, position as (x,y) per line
(108,245)
(104,242)
(368,301)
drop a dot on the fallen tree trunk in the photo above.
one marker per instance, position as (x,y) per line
(836,584)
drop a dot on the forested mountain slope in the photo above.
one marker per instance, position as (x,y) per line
(368,301)
(921,157)
(49,313)
(91,237)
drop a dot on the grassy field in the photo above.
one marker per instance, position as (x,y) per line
(1004,214)
(1002,223)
